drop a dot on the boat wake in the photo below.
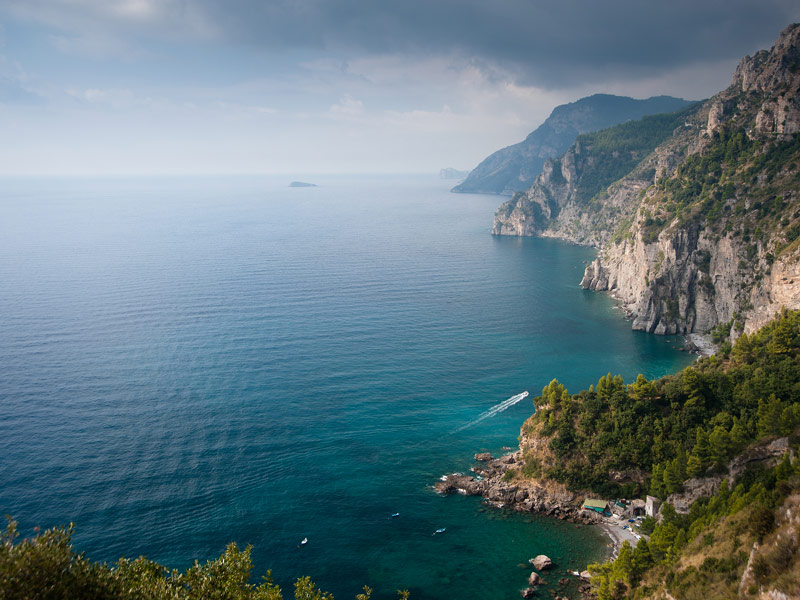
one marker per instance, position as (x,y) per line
(496,409)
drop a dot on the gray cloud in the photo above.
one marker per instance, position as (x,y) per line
(548,43)
(545,42)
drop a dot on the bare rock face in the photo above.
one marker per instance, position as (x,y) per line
(694,489)
(484,456)
(774,71)
(534,579)
(528,593)
(541,562)
(715,117)
(769,455)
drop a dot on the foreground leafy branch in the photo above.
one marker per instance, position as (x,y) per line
(47,567)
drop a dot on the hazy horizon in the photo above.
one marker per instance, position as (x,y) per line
(172,87)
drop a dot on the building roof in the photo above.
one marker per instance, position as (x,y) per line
(594,503)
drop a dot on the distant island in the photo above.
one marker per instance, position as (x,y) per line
(302,184)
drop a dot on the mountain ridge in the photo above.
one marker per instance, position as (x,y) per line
(515,167)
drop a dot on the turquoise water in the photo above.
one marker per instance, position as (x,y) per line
(184,363)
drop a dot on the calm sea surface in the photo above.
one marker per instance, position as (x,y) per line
(188,362)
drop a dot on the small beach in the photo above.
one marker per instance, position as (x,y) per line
(614,530)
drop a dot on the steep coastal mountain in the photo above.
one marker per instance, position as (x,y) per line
(514,168)
(697,227)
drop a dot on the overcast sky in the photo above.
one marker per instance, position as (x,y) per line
(326,86)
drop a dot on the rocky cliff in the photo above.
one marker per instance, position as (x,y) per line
(515,167)
(703,227)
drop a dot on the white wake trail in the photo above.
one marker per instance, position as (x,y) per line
(496,409)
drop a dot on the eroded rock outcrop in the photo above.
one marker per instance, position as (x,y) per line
(528,495)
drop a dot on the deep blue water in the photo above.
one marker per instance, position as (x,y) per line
(188,362)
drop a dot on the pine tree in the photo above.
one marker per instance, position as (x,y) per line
(642,389)
(784,470)
(738,435)
(769,416)
(672,477)
(623,566)
(702,449)
(694,467)
(657,481)
(693,388)
(552,393)
(787,422)
(783,335)
(680,465)
(719,446)
(604,591)
(679,543)
(642,560)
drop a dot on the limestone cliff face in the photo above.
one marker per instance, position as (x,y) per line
(704,229)
(690,281)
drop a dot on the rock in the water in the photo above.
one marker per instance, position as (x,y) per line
(541,562)
(484,456)
(534,579)
(586,575)
(528,593)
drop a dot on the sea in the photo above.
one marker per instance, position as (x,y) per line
(191,361)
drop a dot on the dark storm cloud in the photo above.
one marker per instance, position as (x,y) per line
(547,42)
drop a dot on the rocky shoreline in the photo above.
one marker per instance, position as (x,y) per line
(546,498)
(552,500)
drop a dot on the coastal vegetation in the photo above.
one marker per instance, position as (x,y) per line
(621,440)
(737,184)
(614,152)
(734,544)
(46,566)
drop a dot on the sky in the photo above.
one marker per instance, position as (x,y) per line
(126,87)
